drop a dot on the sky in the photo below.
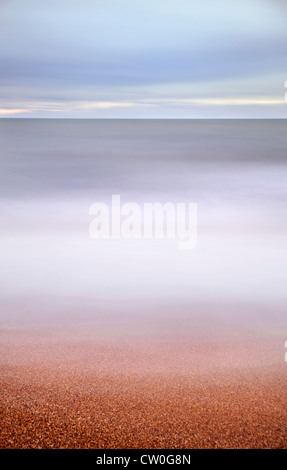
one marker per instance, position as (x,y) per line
(143,59)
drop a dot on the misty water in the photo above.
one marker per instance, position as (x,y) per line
(234,170)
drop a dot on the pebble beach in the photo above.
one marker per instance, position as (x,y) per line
(102,390)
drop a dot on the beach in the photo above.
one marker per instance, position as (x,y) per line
(149,388)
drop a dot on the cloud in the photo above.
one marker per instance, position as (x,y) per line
(104,105)
(112,54)
(7,112)
(227,101)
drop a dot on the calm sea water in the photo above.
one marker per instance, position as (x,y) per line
(43,158)
(53,170)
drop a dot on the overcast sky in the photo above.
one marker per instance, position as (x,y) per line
(143,58)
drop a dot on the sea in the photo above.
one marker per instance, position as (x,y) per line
(54,170)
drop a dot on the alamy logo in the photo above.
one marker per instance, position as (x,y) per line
(149,220)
